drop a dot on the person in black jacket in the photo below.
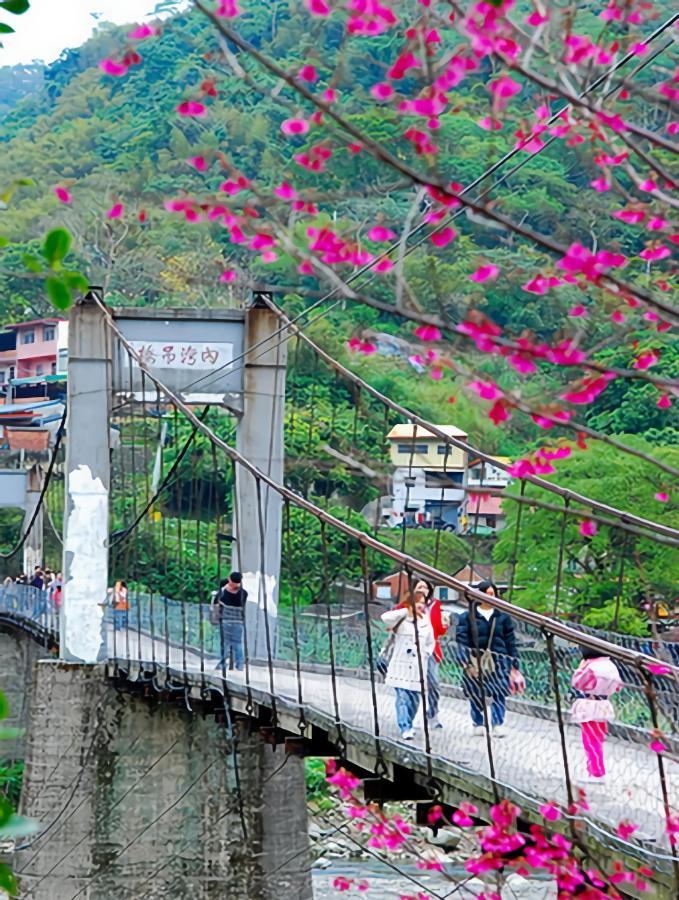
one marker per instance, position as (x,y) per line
(490,630)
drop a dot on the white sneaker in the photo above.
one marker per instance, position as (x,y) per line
(435,723)
(478,731)
(408,734)
(499,731)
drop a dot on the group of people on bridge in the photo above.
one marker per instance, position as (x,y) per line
(488,655)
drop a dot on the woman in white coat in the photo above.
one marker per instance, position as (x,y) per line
(407,671)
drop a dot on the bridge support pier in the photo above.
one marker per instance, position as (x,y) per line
(139,798)
(33,548)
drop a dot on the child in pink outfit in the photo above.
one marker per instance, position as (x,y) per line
(598,678)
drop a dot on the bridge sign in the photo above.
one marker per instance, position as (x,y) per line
(197,354)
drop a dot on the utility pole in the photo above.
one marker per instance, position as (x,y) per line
(258,517)
(33,545)
(88,465)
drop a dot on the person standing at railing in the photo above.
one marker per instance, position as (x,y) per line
(488,654)
(597,678)
(120,604)
(440,624)
(230,611)
(413,644)
(38,583)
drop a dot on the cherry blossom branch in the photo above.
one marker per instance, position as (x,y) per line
(444,323)
(380,153)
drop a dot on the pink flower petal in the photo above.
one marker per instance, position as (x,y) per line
(63,195)
(115,212)
(588,528)
(443,238)
(308,73)
(228,275)
(657,746)
(295,126)
(141,32)
(662,497)
(485,273)
(550,811)
(192,109)
(198,162)
(111,67)
(428,333)
(380,233)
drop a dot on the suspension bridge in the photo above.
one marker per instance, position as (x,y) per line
(152,473)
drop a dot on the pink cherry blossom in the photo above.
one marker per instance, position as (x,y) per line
(115,212)
(588,528)
(285,191)
(662,497)
(381,233)
(402,65)
(228,275)
(192,109)
(656,253)
(227,9)
(646,359)
(658,669)
(541,284)
(111,67)
(485,273)
(550,811)
(295,126)
(488,123)
(443,237)
(499,412)
(648,185)
(384,265)
(657,746)
(63,195)
(199,163)
(382,91)
(601,184)
(578,311)
(657,223)
(487,390)
(630,216)
(537,18)
(504,87)
(664,401)
(308,73)
(318,7)
(141,32)
(428,333)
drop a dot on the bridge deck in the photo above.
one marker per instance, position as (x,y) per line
(528,761)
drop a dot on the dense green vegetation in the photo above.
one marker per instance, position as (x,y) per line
(119,140)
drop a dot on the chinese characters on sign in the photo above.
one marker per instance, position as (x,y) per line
(184,354)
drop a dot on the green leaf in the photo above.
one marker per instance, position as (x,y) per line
(4,706)
(3,241)
(58,293)
(75,280)
(32,263)
(56,245)
(17,7)
(6,29)
(8,882)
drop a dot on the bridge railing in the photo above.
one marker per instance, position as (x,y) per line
(32,605)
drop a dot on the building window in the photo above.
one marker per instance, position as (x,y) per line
(38,369)
(443,593)
(476,473)
(11,373)
(28,337)
(2,376)
(444,449)
(54,368)
(412,448)
(49,333)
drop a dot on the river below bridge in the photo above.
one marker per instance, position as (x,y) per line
(384,884)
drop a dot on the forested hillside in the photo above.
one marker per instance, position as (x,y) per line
(112,140)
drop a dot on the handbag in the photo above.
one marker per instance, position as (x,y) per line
(483,663)
(387,651)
